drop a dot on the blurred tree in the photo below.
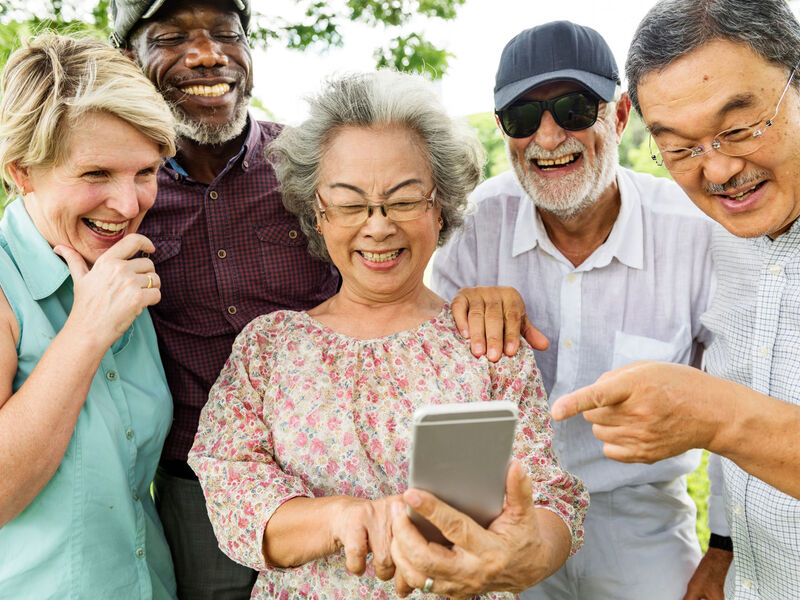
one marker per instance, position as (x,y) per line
(634,149)
(319,26)
(492,140)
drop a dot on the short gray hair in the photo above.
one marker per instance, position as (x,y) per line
(374,100)
(673,28)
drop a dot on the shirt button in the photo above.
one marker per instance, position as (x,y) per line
(135,495)
(129,434)
(246,164)
(292,234)
(571,277)
(738,510)
(213,195)
(775,269)
(176,177)
(232,310)
(568,344)
(111,375)
(763,351)
(747,584)
(222,253)
(140,552)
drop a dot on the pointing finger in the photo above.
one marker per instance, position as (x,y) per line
(611,390)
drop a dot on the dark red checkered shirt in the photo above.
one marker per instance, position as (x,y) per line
(226,253)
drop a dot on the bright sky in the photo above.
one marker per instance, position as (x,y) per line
(476,37)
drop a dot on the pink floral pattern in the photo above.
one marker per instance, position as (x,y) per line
(300,410)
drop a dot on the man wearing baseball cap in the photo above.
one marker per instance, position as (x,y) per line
(614,268)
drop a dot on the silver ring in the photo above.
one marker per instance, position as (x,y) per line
(428,585)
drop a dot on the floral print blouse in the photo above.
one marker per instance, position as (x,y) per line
(300,410)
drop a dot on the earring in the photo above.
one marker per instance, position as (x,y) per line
(319,229)
(441,222)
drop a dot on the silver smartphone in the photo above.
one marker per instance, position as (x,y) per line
(460,453)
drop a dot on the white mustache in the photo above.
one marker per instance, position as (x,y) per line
(570,146)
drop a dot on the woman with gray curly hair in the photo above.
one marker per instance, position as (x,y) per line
(302,447)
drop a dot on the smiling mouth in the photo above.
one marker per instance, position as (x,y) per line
(104,227)
(379,257)
(207,91)
(556,163)
(746,193)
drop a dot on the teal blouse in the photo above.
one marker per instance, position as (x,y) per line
(93,531)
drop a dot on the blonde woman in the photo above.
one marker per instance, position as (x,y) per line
(84,404)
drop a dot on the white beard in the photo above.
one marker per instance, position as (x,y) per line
(567,196)
(208,135)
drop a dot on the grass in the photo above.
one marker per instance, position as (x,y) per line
(698,490)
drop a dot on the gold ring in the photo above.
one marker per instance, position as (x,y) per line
(428,585)
(149,281)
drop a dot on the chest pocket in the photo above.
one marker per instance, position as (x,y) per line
(629,348)
(282,233)
(169,269)
(293,276)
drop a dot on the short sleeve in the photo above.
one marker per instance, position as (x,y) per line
(233,449)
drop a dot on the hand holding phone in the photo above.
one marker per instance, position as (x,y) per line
(460,453)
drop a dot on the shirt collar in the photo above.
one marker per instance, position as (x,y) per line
(625,242)
(788,241)
(42,269)
(251,145)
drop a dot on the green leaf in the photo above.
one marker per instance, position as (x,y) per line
(413,54)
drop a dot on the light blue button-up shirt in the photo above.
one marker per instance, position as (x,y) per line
(93,531)
(755,317)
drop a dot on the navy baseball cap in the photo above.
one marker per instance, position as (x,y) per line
(556,51)
(125,14)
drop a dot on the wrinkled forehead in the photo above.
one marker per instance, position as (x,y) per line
(707,87)
(180,13)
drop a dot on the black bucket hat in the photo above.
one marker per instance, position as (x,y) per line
(125,14)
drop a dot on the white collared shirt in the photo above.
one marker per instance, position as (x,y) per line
(639,296)
(755,318)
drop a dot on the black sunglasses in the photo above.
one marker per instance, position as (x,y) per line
(573,111)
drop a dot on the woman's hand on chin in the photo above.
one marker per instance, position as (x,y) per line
(363,526)
(114,291)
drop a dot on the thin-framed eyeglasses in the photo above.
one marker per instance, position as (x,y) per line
(355,214)
(736,141)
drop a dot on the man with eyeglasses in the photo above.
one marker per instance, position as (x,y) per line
(614,267)
(717,86)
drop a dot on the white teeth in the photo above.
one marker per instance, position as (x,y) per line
(106,227)
(380,257)
(556,162)
(207,90)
